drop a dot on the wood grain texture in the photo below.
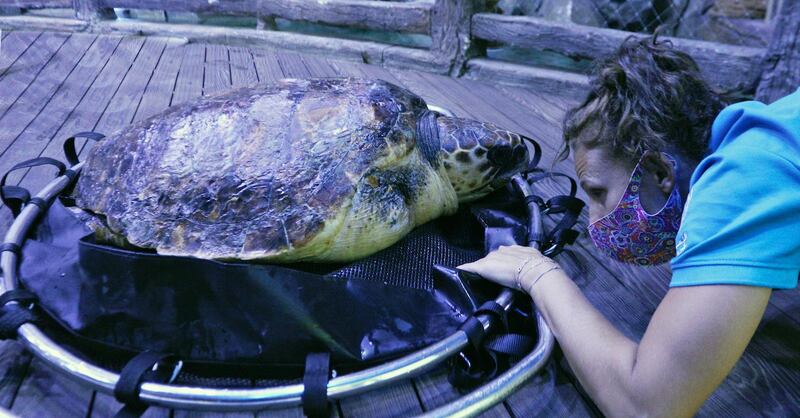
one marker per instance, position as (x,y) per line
(14,365)
(397,400)
(543,80)
(158,93)
(727,66)
(38,4)
(362,51)
(85,115)
(190,76)
(434,390)
(15,43)
(411,16)
(39,133)
(30,104)
(19,76)
(243,67)
(781,69)
(44,393)
(217,73)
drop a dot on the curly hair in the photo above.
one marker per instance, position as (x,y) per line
(645,96)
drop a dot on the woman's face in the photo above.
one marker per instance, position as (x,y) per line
(604,178)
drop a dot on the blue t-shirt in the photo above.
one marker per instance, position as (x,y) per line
(741,222)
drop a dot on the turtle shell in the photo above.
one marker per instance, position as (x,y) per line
(297,170)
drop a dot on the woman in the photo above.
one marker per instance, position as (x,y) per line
(650,136)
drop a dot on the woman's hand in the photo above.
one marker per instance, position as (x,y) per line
(515,266)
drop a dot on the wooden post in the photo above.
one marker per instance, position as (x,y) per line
(781,69)
(450,32)
(266,22)
(91,10)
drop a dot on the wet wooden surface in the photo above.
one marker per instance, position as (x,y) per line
(56,84)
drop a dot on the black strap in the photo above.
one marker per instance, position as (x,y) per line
(14,196)
(315,385)
(135,372)
(11,247)
(69,145)
(11,318)
(474,330)
(537,153)
(513,345)
(21,296)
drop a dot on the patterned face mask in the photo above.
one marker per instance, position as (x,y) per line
(631,235)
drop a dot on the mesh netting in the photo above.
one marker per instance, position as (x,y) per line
(448,241)
(737,22)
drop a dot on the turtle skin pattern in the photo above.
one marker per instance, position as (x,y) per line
(318,170)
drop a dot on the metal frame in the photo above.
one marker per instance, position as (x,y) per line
(229,399)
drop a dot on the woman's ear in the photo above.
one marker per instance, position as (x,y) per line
(660,167)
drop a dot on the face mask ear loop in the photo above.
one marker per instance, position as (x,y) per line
(629,191)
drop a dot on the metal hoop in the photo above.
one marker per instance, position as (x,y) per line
(230,399)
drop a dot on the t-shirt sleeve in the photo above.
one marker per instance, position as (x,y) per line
(741,223)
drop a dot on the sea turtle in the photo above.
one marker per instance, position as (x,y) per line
(322,170)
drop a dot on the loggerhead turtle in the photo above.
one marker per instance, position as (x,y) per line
(302,170)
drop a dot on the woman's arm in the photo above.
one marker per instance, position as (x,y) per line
(692,342)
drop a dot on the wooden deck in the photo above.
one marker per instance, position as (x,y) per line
(56,84)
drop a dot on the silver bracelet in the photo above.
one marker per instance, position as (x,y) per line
(542,260)
(539,277)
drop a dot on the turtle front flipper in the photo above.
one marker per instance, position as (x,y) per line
(388,204)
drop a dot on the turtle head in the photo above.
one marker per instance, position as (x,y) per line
(479,157)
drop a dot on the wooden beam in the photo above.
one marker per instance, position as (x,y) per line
(35,23)
(540,80)
(360,51)
(412,16)
(781,70)
(727,66)
(450,32)
(37,4)
(92,10)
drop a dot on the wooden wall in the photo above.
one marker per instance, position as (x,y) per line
(459,31)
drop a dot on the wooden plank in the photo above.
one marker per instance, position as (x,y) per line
(92,10)
(781,70)
(85,115)
(243,68)
(543,80)
(50,394)
(14,364)
(410,16)
(268,69)
(158,94)
(38,4)
(347,68)
(15,43)
(725,65)
(549,393)
(434,390)
(319,67)
(217,75)
(361,51)
(35,97)
(121,109)
(397,400)
(104,405)
(450,32)
(36,137)
(190,76)
(18,77)
(291,65)
(27,22)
